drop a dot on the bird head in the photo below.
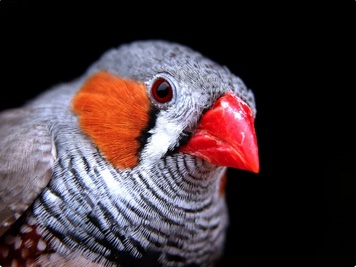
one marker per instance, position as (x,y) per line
(148,99)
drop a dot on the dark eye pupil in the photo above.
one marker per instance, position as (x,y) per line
(163,90)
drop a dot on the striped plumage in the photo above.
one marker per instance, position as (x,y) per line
(157,206)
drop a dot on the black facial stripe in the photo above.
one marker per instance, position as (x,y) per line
(183,139)
(144,135)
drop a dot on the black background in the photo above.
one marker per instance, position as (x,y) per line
(298,59)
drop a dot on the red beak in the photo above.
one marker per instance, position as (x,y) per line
(226,135)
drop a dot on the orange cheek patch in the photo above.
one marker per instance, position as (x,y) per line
(113,111)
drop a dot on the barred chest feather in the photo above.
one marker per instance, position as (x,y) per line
(122,218)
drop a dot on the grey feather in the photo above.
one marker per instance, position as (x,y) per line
(26,159)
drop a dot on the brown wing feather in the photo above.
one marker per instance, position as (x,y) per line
(27,155)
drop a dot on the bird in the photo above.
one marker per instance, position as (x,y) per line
(126,165)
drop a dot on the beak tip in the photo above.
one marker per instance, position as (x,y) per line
(256,169)
(251,166)
(254,165)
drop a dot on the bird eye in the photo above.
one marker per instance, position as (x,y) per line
(162,91)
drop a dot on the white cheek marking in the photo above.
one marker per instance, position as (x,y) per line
(41,245)
(31,221)
(38,231)
(18,242)
(26,229)
(163,136)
